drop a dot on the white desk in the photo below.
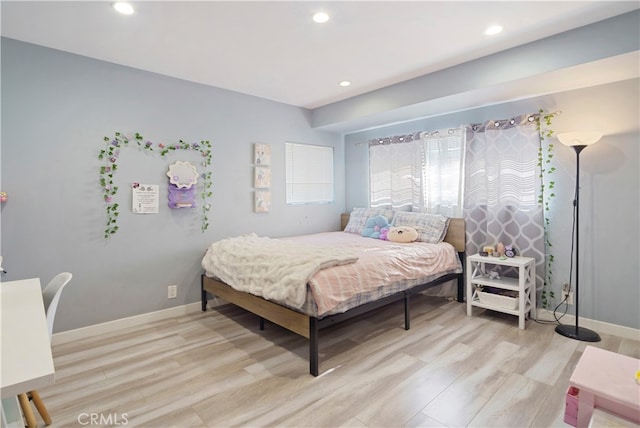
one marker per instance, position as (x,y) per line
(25,347)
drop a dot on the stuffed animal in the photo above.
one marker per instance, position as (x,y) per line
(376,227)
(383,233)
(403,234)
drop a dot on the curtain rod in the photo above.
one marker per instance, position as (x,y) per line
(523,119)
(408,137)
(477,127)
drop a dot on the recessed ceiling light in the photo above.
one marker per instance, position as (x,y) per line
(123,7)
(345,83)
(320,17)
(493,30)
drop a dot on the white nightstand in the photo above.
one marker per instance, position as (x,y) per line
(478,269)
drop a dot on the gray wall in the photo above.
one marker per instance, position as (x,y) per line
(609,198)
(56,109)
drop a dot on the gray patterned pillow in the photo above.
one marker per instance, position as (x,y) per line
(359,216)
(431,228)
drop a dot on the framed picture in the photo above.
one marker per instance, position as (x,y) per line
(262,201)
(262,177)
(262,154)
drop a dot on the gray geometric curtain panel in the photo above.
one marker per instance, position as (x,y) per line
(502,189)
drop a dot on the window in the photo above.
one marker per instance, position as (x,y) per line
(418,173)
(443,172)
(396,174)
(309,174)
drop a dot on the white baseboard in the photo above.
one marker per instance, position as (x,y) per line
(598,326)
(138,320)
(134,321)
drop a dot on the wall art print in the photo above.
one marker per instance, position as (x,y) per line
(262,154)
(262,201)
(262,177)
(144,198)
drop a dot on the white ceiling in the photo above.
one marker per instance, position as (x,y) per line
(273,50)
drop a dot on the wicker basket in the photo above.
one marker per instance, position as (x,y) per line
(499,300)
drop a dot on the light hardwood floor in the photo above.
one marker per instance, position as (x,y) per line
(217,369)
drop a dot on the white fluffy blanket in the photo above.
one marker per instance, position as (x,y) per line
(274,269)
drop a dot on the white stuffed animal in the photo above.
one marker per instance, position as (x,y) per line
(403,234)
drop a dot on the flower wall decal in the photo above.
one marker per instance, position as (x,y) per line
(110,155)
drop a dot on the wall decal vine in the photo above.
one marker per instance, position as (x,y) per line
(110,155)
(545,157)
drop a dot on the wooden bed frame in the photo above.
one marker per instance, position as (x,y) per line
(309,326)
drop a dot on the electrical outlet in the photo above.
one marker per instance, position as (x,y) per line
(567,294)
(570,298)
(172,291)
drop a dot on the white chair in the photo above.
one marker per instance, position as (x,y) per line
(51,297)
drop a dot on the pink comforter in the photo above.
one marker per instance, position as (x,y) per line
(379,263)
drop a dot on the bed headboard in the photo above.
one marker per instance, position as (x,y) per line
(344,220)
(455,233)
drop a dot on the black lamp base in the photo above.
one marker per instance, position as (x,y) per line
(578,333)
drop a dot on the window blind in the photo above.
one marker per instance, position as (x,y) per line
(309,174)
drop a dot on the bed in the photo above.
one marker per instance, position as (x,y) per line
(315,314)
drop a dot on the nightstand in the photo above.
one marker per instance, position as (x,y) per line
(478,277)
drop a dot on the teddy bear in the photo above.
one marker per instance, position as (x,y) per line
(376,227)
(402,234)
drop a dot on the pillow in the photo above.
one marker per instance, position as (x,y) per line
(431,228)
(403,234)
(359,216)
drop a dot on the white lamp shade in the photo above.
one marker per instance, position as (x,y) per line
(580,138)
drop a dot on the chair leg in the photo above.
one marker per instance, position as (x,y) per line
(27,411)
(37,401)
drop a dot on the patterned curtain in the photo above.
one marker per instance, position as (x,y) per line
(502,189)
(395,168)
(444,171)
(421,172)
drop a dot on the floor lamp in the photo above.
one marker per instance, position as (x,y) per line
(578,140)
